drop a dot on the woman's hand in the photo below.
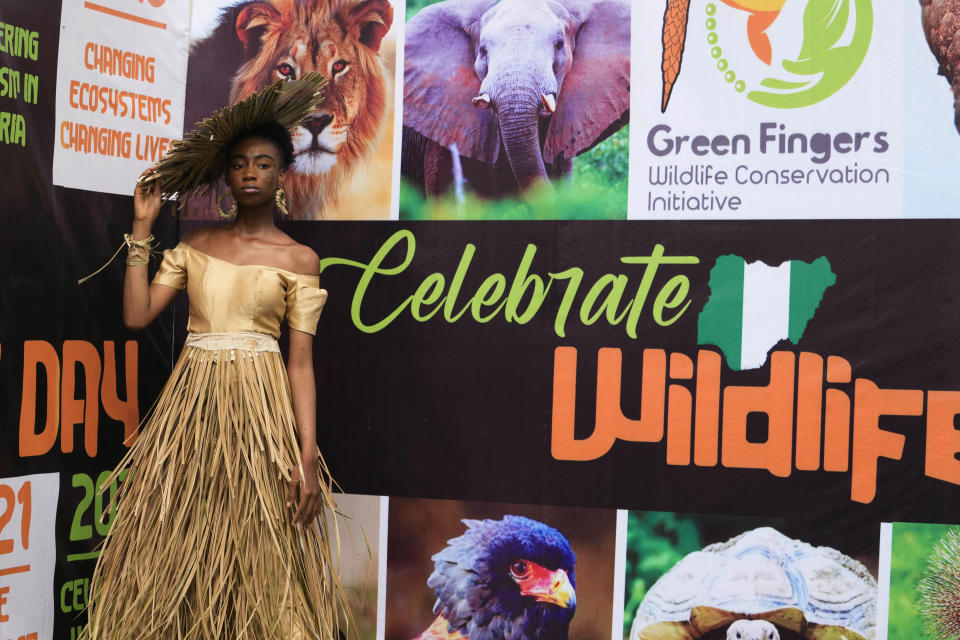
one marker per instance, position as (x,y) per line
(311,502)
(146,203)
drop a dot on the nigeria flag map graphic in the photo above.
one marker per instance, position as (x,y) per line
(753,306)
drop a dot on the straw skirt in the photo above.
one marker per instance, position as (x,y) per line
(202,546)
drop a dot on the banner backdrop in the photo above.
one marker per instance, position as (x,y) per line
(120,87)
(703,345)
(796,137)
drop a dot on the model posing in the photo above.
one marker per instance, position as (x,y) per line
(217,534)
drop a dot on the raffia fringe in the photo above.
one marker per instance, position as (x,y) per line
(202,546)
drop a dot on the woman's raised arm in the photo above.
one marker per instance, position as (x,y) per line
(143,302)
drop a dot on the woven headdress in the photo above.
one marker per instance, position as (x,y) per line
(194,165)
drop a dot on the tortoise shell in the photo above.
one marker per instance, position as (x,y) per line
(809,592)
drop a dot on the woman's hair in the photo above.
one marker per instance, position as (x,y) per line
(272,131)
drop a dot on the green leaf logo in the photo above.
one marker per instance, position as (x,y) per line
(835,39)
(824,65)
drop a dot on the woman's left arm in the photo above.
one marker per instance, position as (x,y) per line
(303,387)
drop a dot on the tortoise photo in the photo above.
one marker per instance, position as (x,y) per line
(760,585)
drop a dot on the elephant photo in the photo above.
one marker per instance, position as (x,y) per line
(501,95)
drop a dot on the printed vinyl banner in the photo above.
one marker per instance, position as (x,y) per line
(642,316)
(30,557)
(630,365)
(762,112)
(120,87)
(345,153)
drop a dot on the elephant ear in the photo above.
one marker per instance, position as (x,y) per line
(594,100)
(439,81)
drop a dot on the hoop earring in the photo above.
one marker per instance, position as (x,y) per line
(281,199)
(229,214)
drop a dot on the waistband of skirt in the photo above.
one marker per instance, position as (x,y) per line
(239,340)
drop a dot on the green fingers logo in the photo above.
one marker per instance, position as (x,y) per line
(818,53)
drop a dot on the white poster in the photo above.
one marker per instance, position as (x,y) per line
(768,109)
(28,555)
(121,78)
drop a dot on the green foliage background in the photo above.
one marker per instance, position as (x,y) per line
(911,545)
(413,6)
(597,191)
(655,542)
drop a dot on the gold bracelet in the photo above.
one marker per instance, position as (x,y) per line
(138,253)
(146,243)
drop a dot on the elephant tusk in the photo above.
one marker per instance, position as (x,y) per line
(549,101)
(482,101)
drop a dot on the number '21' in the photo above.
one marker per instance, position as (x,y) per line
(11,500)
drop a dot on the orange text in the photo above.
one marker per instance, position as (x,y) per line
(51,382)
(810,425)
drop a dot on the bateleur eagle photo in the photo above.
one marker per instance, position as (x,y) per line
(509,579)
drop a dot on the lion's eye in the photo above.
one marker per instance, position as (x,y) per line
(285,70)
(339,66)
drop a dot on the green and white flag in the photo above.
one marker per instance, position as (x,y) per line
(753,306)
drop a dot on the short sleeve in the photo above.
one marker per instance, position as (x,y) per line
(304,303)
(173,271)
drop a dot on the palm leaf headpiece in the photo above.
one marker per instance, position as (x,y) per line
(193,165)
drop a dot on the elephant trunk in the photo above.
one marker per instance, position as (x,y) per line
(519,119)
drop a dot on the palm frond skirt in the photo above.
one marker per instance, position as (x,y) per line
(202,546)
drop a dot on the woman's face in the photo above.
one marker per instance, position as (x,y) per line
(254,169)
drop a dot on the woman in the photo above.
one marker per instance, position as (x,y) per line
(217,534)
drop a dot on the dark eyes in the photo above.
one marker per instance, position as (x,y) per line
(339,66)
(285,70)
(520,570)
(559,44)
(483,51)
(237,166)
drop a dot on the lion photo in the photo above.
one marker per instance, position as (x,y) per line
(344,153)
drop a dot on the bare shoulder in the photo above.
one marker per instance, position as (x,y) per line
(304,259)
(199,238)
